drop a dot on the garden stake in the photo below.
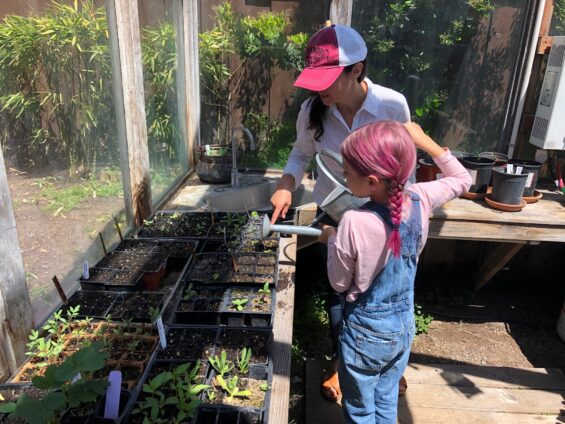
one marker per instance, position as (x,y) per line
(103,245)
(60,290)
(118,228)
(191,250)
(234,263)
(212,216)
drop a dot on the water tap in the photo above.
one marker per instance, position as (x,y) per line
(234,171)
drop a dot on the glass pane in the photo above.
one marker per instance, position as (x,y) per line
(453,60)
(558,18)
(160,41)
(59,139)
(249,55)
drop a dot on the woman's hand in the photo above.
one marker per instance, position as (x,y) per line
(282,197)
(327,231)
(422,140)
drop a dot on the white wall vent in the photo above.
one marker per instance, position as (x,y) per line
(548,131)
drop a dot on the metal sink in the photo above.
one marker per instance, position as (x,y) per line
(255,196)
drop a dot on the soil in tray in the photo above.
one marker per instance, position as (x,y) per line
(177,225)
(253,278)
(177,249)
(12,395)
(132,261)
(137,246)
(92,304)
(188,343)
(232,341)
(261,303)
(210,268)
(160,367)
(100,275)
(191,292)
(200,305)
(255,400)
(136,306)
(79,414)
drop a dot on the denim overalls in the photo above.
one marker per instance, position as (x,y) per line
(378,330)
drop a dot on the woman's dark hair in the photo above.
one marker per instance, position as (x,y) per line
(318,109)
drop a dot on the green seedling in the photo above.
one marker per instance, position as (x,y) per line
(243,362)
(239,303)
(265,289)
(230,386)
(189,292)
(221,364)
(211,394)
(154,313)
(265,387)
(215,275)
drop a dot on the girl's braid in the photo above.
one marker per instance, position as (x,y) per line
(395,206)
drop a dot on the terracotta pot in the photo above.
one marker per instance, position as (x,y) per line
(152,279)
(427,170)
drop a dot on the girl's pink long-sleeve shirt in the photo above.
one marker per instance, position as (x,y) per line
(359,250)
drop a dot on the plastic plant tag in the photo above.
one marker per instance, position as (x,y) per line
(509,168)
(112,406)
(473,173)
(207,149)
(161,329)
(76,378)
(519,170)
(530,179)
(85,271)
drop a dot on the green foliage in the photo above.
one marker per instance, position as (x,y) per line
(221,364)
(55,87)
(239,303)
(265,289)
(258,44)
(62,199)
(423,39)
(175,390)
(62,395)
(189,292)
(231,388)
(56,96)
(422,320)
(558,18)
(57,327)
(243,361)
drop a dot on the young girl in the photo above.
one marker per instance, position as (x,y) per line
(373,257)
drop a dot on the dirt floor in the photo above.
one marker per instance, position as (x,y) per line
(57,244)
(505,324)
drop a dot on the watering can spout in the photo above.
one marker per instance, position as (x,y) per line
(268,228)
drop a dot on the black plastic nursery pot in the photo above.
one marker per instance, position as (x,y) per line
(507,188)
(126,401)
(480,170)
(531,169)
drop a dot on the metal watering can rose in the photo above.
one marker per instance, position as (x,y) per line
(339,201)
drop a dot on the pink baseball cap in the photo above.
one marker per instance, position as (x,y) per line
(329,51)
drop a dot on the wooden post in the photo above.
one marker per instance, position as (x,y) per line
(15,305)
(340,12)
(191,76)
(127,72)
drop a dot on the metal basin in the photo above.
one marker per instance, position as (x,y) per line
(253,197)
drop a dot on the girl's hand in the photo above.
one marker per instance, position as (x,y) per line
(327,231)
(422,140)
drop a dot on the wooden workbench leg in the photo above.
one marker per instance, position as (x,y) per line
(494,263)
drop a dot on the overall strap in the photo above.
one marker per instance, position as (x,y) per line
(379,210)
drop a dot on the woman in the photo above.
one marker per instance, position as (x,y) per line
(344,100)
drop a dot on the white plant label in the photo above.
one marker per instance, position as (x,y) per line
(530,179)
(162,335)
(439,176)
(85,271)
(510,168)
(76,378)
(519,170)
(473,173)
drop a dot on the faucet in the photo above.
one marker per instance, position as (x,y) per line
(234,171)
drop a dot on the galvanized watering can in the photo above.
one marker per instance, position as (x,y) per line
(339,201)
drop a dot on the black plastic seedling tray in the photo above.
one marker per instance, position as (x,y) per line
(218,305)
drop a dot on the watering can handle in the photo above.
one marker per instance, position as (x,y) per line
(336,179)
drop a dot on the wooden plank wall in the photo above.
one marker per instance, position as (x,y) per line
(15,306)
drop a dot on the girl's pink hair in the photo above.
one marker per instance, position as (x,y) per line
(385,150)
